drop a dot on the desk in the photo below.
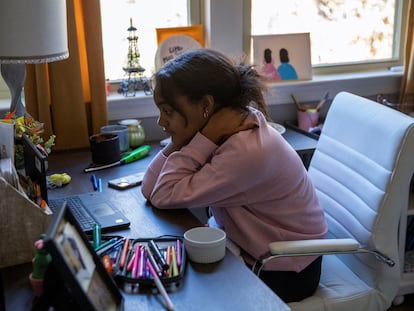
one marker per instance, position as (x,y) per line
(303,144)
(228,284)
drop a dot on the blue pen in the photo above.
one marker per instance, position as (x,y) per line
(94,182)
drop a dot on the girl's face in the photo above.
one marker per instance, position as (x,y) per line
(174,123)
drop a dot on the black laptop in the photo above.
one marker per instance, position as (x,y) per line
(88,208)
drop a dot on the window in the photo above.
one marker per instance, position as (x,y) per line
(146,16)
(342,32)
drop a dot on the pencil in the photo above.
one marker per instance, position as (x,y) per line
(160,287)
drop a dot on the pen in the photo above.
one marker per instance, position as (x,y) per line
(160,287)
(94,182)
(107,243)
(298,107)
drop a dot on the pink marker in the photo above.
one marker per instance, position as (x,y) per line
(178,250)
(135,265)
(141,263)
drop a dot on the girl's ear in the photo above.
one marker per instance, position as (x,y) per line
(208,104)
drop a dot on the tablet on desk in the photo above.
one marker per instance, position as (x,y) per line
(82,271)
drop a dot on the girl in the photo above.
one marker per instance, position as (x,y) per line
(224,155)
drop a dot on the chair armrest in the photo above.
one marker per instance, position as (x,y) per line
(316,247)
(313,246)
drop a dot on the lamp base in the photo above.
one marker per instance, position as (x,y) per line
(14,75)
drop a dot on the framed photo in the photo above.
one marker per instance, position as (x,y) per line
(283,57)
(195,32)
(81,269)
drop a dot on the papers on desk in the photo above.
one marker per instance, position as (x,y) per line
(8,172)
(7,139)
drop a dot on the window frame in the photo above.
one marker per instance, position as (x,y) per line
(197,15)
(401,14)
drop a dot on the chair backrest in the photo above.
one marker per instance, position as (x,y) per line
(361,169)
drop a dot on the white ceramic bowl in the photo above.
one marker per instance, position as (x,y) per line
(205,244)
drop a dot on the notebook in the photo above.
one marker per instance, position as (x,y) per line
(88,208)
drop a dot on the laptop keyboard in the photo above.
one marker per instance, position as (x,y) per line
(75,205)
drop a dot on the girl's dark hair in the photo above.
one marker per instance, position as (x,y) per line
(267,54)
(284,55)
(201,72)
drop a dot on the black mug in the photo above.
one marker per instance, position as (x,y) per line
(105,148)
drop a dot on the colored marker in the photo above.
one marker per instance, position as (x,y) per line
(124,253)
(157,254)
(178,252)
(160,287)
(109,242)
(130,264)
(107,263)
(137,259)
(94,182)
(109,245)
(174,261)
(100,184)
(168,256)
(154,263)
(141,263)
(96,235)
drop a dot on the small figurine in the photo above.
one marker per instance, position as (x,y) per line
(40,264)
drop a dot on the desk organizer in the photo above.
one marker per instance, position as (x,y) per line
(123,270)
(21,223)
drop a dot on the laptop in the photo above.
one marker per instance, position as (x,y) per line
(88,208)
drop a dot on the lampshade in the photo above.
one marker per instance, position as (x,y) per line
(33,31)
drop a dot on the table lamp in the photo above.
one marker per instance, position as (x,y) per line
(31,32)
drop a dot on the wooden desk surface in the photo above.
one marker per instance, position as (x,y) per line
(228,284)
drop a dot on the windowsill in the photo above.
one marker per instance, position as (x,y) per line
(361,83)
(279,93)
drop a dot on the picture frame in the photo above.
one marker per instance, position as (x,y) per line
(80,268)
(195,32)
(282,57)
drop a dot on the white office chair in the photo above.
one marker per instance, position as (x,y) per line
(361,169)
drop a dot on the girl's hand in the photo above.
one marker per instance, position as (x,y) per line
(226,122)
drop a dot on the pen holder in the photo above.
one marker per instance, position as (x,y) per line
(121,269)
(121,131)
(105,148)
(307,119)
